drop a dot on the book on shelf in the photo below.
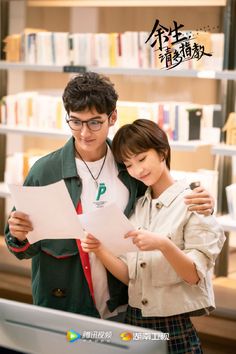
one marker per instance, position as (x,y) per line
(12,47)
(101,48)
(30,48)
(128,49)
(22,46)
(60,45)
(46,48)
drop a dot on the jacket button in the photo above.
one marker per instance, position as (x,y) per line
(59,292)
(159,205)
(144,301)
(143,264)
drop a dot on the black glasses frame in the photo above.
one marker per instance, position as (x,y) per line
(86,122)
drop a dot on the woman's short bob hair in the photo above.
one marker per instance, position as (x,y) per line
(138,137)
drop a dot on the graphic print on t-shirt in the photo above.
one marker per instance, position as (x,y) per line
(100,192)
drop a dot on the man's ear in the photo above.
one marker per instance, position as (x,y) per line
(113,118)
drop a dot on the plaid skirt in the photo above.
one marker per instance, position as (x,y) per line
(183,338)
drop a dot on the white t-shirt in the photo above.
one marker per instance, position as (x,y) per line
(109,189)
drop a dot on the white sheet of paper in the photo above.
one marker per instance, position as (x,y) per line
(109,225)
(50,209)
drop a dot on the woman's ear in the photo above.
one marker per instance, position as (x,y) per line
(113,118)
(163,156)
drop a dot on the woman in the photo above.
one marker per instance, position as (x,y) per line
(172,281)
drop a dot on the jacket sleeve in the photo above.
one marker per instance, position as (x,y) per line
(204,239)
(21,249)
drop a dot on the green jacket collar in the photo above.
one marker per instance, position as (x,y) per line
(68,160)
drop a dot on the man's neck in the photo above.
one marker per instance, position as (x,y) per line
(91,156)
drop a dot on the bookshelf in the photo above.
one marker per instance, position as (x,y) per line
(108,16)
(131,83)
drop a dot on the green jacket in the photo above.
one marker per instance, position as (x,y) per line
(58,279)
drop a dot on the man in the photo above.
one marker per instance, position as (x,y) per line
(63,276)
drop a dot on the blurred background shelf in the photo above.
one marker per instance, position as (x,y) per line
(227,223)
(4,192)
(223,149)
(201,74)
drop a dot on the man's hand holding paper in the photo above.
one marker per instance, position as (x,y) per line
(50,210)
(53,216)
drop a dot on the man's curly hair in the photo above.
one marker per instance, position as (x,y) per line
(88,91)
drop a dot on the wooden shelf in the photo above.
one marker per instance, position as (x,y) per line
(192,145)
(51,133)
(123,3)
(204,74)
(6,65)
(223,149)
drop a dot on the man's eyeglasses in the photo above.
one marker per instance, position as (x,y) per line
(92,124)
